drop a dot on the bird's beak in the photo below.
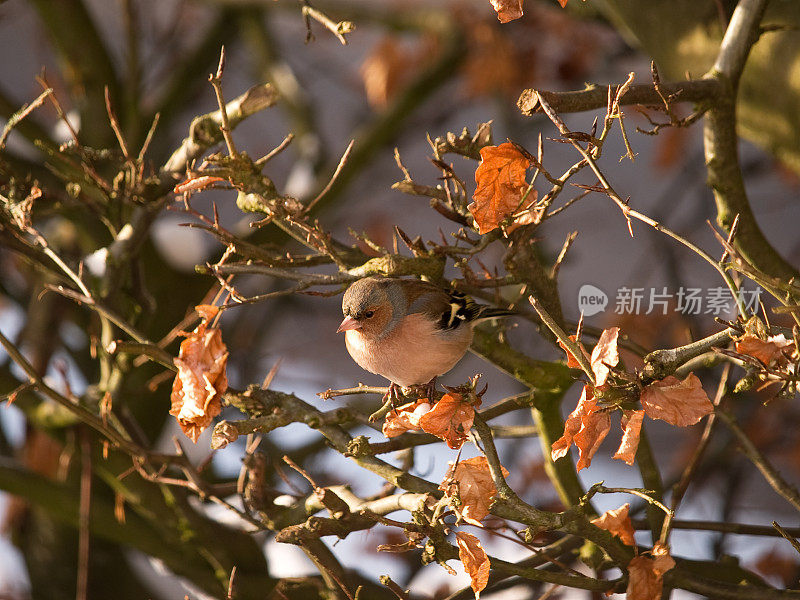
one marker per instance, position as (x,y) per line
(348,323)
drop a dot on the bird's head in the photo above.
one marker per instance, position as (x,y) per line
(370,306)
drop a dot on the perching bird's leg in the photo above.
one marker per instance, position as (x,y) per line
(392,394)
(430,389)
(391,399)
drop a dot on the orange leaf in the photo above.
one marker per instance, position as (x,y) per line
(449,419)
(645,574)
(618,523)
(594,429)
(475,486)
(196,184)
(507,10)
(677,402)
(500,180)
(405,418)
(631,430)
(764,351)
(563,3)
(586,427)
(571,426)
(605,355)
(474,559)
(384,71)
(201,378)
(572,362)
(661,558)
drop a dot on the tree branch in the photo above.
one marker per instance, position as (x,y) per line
(596,96)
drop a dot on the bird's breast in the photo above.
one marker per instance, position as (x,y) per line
(413,353)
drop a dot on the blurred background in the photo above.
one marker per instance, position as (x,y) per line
(411,69)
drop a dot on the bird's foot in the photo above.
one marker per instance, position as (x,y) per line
(430,390)
(393,394)
(391,400)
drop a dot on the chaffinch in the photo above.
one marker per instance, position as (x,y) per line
(408,331)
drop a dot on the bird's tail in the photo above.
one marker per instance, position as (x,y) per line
(464,309)
(490,312)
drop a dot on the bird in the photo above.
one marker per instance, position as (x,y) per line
(407,330)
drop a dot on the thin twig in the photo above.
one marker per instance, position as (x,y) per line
(787,536)
(84,512)
(339,29)
(112,118)
(79,411)
(573,347)
(680,488)
(216,82)
(770,473)
(628,212)
(21,114)
(275,151)
(338,170)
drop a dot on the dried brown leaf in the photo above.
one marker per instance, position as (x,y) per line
(450,419)
(476,563)
(201,378)
(645,574)
(631,431)
(507,10)
(500,180)
(618,523)
(680,403)
(586,427)
(643,583)
(594,428)
(766,351)
(405,418)
(476,490)
(605,355)
(572,362)
(386,70)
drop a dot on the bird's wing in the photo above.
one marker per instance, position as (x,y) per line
(448,309)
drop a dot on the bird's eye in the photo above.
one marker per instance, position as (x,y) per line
(368,314)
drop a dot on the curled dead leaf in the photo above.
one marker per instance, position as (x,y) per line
(475,561)
(405,418)
(507,10)
(680,403)
(618,523)
(766,351)
(646,574)
(572,362)
(501,184)
(201,378)
(586,427)
(384,71)
(450,419)
(605,355)
(475,487)
(631,432)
